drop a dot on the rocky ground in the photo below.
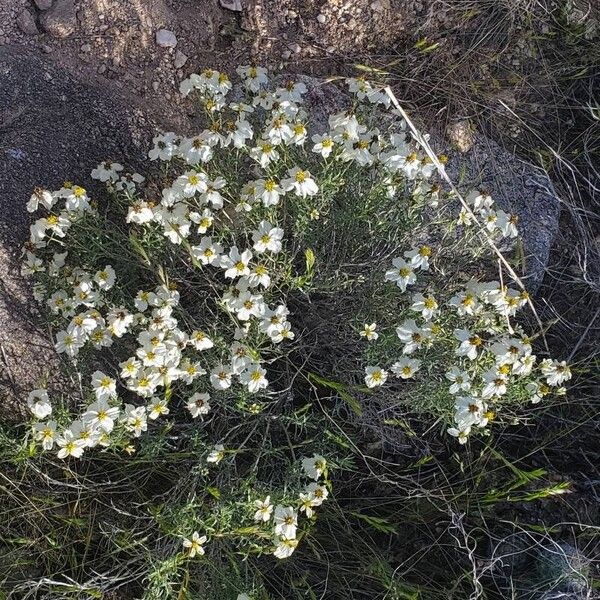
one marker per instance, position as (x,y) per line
(148,46)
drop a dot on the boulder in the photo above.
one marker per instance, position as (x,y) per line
(519,188)
(53,126)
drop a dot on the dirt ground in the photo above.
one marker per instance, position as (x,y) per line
(116,39)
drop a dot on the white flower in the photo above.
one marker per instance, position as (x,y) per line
(69,446)
(119,321)
(317,492)
(306,504)
(462,433)
(165,147)
(525,365)
(264,509)
(217,454)
(284,547)
(375,376)
(191,183)
(507,224)
(220,377)
(323,144)
(268,192)
(419,257)
(87,432)
(157,408)
(368,332)
(200,341)
(204,220)
(264,153)
(177,230)
(76,199)
(259,275)
(469,343)
(402,273)
(412,335)
(301,182)
(39,403)
(189,371)
(139,212)
(104,386)
(495,384)
(460,380)
(273,320)
(136,419)
(194,545)
(479,199)
(427,306)
(198,405)
(286,521)
(555,372)
(466,302)
(292,92)
(45,433)
(470,411)
(212,193)
(314,467)
(405,367)
(253,77)
(100,414)
(236,263)
(197,149)
(107,172)
(283,333)
(267,237)
(40,196)
(68,343)
(208,252)
(254,378)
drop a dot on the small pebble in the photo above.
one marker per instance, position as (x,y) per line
(102,69)
(26,23)
(180,59)
(43,4)
(166,38)
(296,48)
(291,14)
(286,54)
(321,18)
(86,48)
(155,85)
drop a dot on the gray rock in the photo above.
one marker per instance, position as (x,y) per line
(166,38)
(53,127)
(26,23)
(519,188)
(43,4)
(180,59)
(235,5)
(60,21)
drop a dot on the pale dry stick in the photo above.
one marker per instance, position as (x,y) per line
(442,171)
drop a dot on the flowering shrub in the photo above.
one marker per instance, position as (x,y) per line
(260,261)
